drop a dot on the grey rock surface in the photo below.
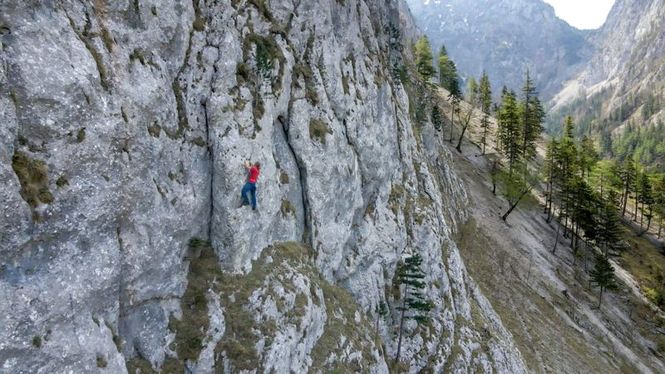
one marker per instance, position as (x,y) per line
(124,127)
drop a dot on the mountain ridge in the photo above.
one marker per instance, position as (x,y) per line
(505,38)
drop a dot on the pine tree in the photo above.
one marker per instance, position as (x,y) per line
(473,92)
(603,276)
(637,189)
(608,234)
(659,201)
(486,104)
(424,59)
(509,131)
(567,159)
(605,177)
(437,118)
(455,97)
(582,213)
(588,156)
(447,70)
(532,116)
(550,171)
(647,200)
(414,303)
(628,175)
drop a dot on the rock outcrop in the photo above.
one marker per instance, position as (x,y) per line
(124,126)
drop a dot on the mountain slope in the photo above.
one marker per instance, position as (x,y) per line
(504,38)
(545,299)
(623,81)
(123,245)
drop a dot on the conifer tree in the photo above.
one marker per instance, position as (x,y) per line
(628,175)
(415,305)
(582,213)
(550,171)
(473,92)
(509,130)
(447,70)
(603,276)
(588,156)
(605,176)
(608,226)
(659,201)
(532,116)
(637,190)
(437,118)
(486,104)
(424,59)
(567,159)
(646,198)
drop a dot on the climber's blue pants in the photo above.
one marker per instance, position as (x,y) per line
(251,189)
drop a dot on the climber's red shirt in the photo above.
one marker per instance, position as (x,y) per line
(253,174)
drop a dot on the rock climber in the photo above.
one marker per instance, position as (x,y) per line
(250,186)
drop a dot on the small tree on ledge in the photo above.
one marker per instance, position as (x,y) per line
(414,304)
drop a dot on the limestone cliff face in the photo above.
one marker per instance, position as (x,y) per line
(124,126)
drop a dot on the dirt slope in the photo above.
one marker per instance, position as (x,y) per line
(541,297)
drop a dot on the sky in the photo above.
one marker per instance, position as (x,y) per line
(583,14)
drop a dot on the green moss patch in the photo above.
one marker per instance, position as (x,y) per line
(283,177)
(101,361)
(62,181)
(154,130)
(80,135)
(318,130)
(237,348)
(33,177)
(287,208)
(199,141)
(192,327)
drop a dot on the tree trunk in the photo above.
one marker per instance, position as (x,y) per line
(452,122)
(635,213)
(600,298)
(485,134)
(514,205)
(624,201)
(461,137)
(401,326)
(556,241)
(649,221)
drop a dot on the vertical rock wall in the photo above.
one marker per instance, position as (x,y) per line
(124,127)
